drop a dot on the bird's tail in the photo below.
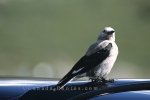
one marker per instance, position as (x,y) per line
(63,81)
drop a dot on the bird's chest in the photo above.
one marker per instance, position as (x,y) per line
(110,60)
(105,66)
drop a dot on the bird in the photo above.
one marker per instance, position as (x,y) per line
(98,60)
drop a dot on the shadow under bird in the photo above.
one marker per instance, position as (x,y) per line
(97,61)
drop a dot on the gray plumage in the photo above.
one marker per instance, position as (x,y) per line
(98,60)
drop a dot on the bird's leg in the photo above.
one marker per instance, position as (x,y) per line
(105,80)
(111,80)
(96,80)
(92,80)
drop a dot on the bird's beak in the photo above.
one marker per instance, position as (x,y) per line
(110,33)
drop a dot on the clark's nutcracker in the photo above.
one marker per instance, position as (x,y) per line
(98,60)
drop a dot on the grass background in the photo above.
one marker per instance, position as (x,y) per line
(44,38)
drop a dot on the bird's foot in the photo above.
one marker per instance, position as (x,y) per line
(107,80)
(102,80)
(97,80)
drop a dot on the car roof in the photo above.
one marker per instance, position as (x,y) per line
(27,87)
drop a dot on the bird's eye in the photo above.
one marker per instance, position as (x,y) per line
(104,31)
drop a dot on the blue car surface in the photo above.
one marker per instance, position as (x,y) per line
(45,89)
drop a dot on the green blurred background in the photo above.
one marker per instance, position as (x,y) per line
(45,38)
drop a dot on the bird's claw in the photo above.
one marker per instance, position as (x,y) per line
(107,80)
(102,80)
(96,80)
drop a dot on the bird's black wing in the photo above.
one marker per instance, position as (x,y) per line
(85,64)
(88,62)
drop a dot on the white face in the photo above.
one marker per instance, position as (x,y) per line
(107,34)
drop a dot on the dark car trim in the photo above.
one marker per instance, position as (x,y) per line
(115,89)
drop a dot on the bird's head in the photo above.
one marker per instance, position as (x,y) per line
(107,34)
